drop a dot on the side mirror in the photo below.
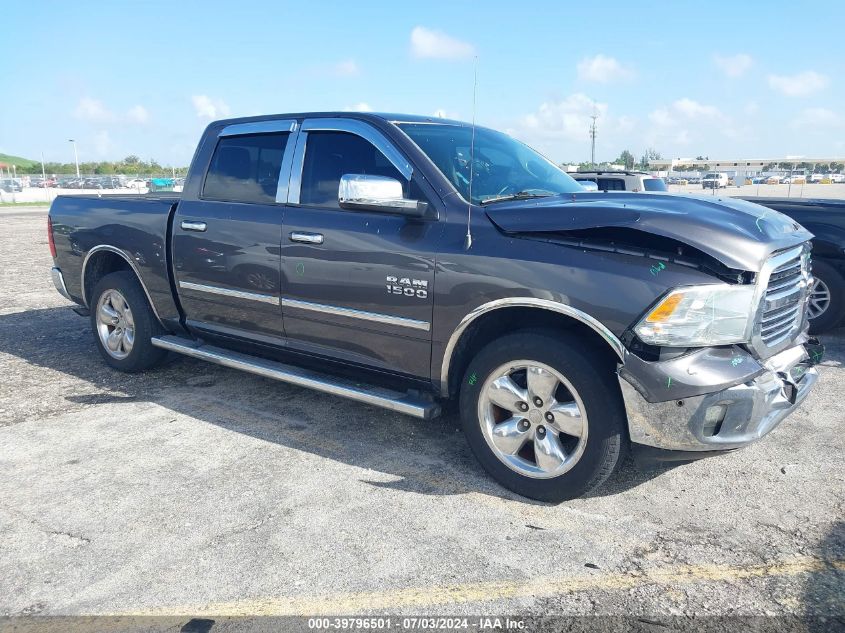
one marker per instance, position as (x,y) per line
(377,193)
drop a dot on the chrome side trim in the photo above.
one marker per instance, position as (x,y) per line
(59,282)
(352,126)
(357,314)
(395,401)
(524,302)
(259,127)
(132,264)
(228,292)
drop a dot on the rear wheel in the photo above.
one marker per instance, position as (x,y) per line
(542,417)
(124,323)
(827,298)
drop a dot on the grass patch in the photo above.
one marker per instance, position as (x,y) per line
(42,203)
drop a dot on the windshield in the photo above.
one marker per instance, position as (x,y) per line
(654,184)
(711,176)
(502,166)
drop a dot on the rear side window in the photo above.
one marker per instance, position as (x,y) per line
(611,184)
(654,184)
(330,155)
(246,168)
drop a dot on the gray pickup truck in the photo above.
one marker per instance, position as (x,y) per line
(409,262)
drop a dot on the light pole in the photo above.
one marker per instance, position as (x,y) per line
(75,155)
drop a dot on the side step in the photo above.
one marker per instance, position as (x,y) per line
(385,398)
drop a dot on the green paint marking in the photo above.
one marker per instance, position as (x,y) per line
(300,269)
(737,360)
(473,379)
(669,382)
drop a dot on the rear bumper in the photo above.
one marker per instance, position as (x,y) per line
(731,417)
(59,282)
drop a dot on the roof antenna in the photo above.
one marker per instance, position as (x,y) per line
(468,241)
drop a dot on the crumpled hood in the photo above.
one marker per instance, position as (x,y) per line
(737,233)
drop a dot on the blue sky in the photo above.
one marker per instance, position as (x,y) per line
(734,79)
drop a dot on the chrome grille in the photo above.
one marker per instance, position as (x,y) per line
(784,301)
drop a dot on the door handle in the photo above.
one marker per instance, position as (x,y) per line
(193,226)
(308,238)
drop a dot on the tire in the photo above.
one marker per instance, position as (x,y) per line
(599,441)
(829,305)
(133,353)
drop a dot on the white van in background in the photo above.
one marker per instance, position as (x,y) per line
(714,180)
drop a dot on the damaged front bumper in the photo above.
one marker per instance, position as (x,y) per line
(715,399)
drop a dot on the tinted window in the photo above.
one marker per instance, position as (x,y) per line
(330,155)
(654,184)
(611,184)
(246,168)
(500,165)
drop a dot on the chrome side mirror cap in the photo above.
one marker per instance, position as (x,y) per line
(377,193)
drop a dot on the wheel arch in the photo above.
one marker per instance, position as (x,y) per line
(491,319)
(103,260)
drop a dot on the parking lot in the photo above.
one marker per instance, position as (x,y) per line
(199,490)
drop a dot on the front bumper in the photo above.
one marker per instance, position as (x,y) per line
(731,417)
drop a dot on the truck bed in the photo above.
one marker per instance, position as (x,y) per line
(137,226)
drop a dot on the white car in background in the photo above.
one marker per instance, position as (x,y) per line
(837,178)
(136,183)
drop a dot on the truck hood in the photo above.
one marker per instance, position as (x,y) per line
(737,233)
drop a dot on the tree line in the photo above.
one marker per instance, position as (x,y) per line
(130,166)
(626,159)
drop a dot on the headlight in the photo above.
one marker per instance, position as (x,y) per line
(700,316)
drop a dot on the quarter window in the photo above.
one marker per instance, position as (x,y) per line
(330,155)
(246,168)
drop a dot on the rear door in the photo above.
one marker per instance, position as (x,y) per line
(356,285)
(226,240)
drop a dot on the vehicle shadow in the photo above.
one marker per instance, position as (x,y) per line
(824,592)
(424,457)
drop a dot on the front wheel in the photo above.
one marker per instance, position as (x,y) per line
(542,416)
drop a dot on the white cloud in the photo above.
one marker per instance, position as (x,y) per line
(694,110)
(346,68)
(362,106)
(799,85)
(138,114)
(603,69)
(92,110)
(103,144)
(209,107)
(752,107)
(440,113)
(734,65)
(685,121)
(566,119)
(816,118)
(426,43)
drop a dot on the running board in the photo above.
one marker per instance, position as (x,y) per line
(395,401)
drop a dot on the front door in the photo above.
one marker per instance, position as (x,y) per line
(356,285)
(226,242)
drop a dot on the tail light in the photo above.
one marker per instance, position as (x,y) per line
(50,237)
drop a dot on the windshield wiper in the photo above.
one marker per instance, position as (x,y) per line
(519,195)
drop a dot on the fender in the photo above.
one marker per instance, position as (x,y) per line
(525,302)
(132,265)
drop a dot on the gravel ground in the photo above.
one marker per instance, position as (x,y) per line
(196,489)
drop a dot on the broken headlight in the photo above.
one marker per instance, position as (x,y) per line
(700,316)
